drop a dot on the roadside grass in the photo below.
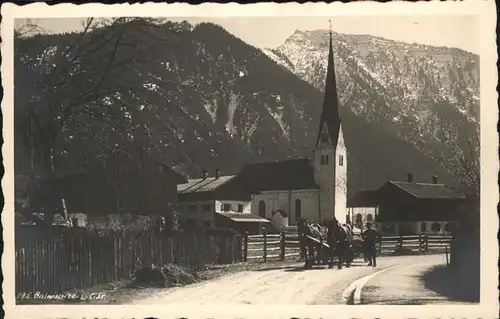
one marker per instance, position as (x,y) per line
(125,291)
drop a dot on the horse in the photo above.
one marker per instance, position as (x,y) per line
(307,246)
(339,238)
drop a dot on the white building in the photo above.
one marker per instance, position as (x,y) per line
(213,201)
(315,188)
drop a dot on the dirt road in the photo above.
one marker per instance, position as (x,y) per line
(289,285)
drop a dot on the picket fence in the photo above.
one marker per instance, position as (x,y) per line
(285,246)
(75,259)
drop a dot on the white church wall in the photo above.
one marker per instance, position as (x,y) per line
(341,180)
(286,201)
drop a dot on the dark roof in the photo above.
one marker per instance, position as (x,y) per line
(366,198)
(330,115)
(428,191)
(203,185)
(243,217)
(279,175)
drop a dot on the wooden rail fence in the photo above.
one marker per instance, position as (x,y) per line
(414,243)
(285,246)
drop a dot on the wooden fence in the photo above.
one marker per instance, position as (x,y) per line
(285,246)
(414,243)
(74,259)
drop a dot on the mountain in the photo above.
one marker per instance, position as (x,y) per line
(209,101)
(419,91)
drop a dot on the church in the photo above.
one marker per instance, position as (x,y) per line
(315,187)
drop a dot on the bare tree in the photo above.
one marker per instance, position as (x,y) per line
(92,78)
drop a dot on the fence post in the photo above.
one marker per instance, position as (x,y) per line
(446,252)
(426,242)
(264,232)
(420,248)
(282,244)
(379,244)
(401,242)
(245,247)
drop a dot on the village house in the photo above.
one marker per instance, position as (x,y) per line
(407,208)
(114,191)
(216,201)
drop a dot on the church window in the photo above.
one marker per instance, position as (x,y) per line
(322,159)
(298,209)
(341,160)
(262,209)
(326,159)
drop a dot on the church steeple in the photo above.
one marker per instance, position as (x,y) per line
(330,115)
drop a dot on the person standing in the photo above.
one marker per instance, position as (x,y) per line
(370,236)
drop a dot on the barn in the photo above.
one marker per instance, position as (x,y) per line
(407,208)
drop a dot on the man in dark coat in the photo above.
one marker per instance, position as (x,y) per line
(370,236)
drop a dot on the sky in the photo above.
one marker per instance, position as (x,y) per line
(439,30)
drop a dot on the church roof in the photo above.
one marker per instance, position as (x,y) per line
(279,175)
(330,114)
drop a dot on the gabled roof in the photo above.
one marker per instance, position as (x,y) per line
(366,198)
(428,191)
(330,115)
(243,217)
(208,184)
(279,175)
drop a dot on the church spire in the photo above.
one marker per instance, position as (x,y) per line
(330,115)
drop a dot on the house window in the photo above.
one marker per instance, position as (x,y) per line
(341,160)
(326,159)
(348,219)
(262,209)
(448,227)
(298,209)
(322,159)
(369,218)
(423,227)
(192,208)
(226,207)
(359,220)
(436,227)
(206,207)
(240,208)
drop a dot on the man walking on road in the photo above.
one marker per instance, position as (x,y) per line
(369,240)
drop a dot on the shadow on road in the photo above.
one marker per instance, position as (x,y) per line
(441,279)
